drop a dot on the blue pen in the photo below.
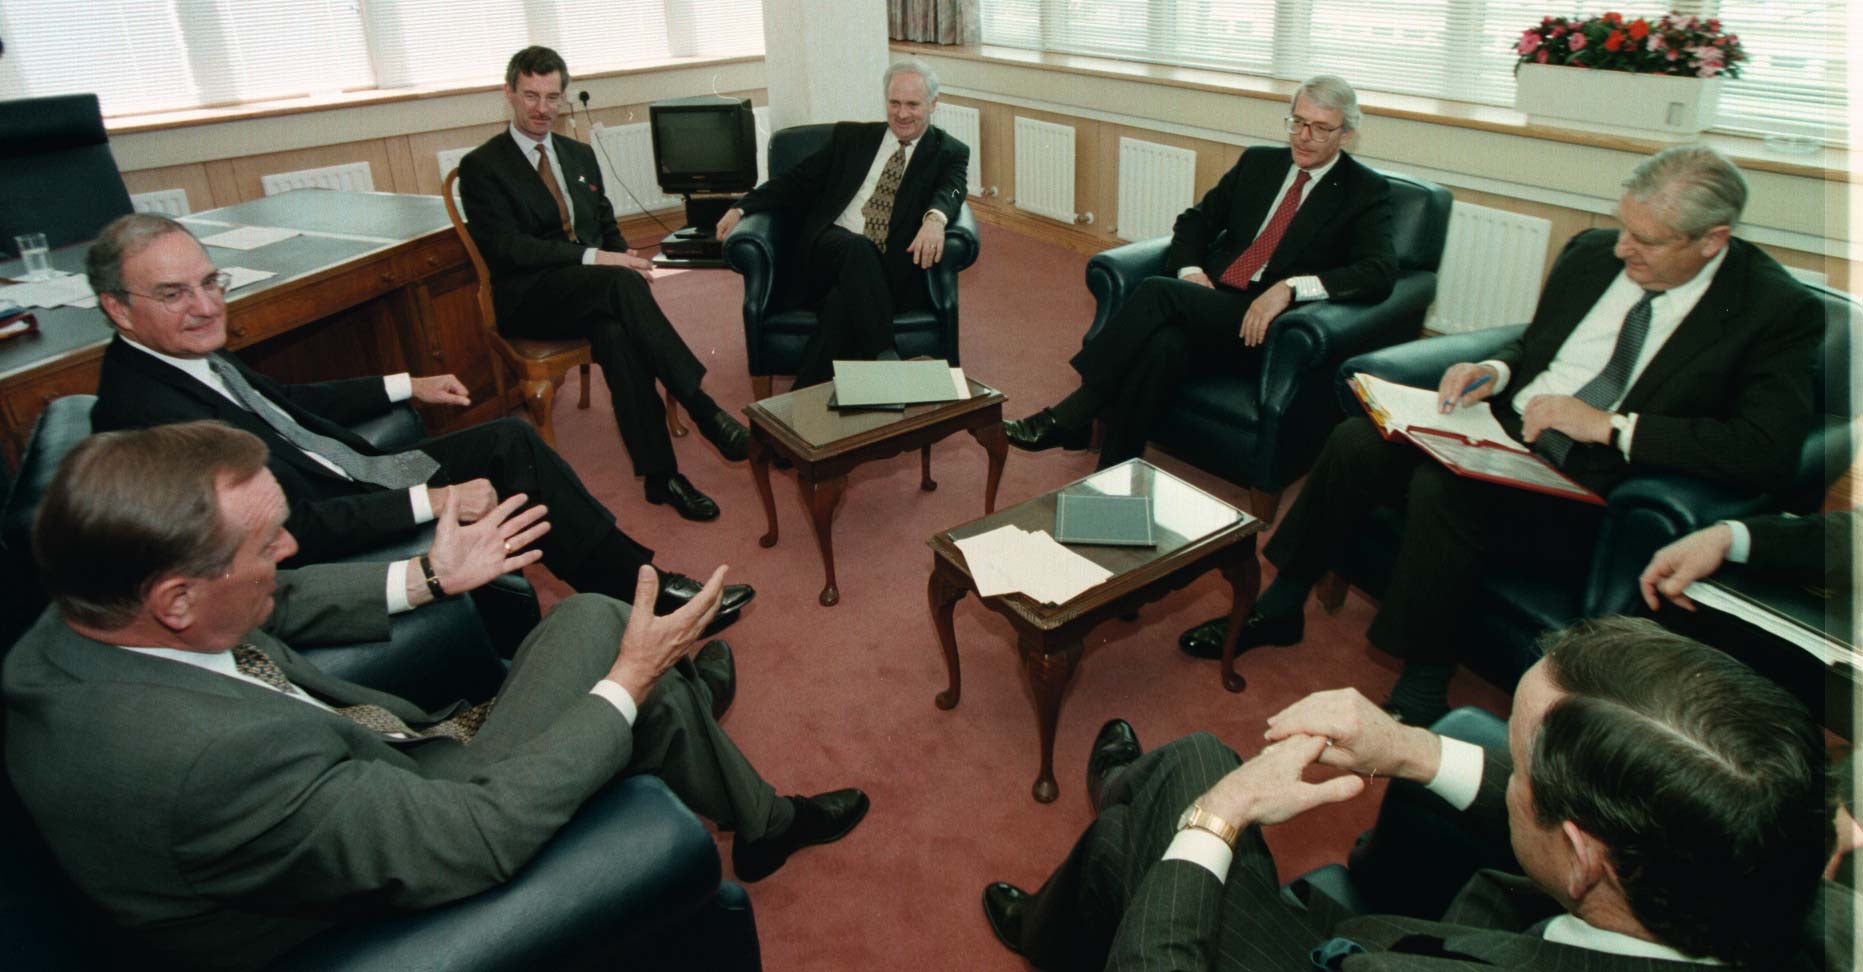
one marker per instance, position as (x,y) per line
(1449,406)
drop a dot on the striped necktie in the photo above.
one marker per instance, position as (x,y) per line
(1603,390)
(250,659)
(879,208)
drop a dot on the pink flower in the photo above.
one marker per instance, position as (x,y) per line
(1674,55)
(1529,42)
(1577,42)
(1541,57)
(1654,43)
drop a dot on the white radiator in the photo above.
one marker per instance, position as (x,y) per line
(966,125)
(1045,169)
(1156,183)
(168,202)
(762,116)
(349,177)
(625,153)
(1491,269)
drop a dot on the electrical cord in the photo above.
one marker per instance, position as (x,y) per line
(583,96)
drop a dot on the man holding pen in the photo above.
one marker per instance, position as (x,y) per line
(1666,345)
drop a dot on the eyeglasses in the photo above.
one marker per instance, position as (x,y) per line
(532,99)
(177,296)
(1315,130)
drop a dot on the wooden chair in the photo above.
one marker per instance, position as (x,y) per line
(540,365)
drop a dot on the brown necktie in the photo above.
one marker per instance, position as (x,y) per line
(556,192)
(249,659)
(1256,256)
(879,207)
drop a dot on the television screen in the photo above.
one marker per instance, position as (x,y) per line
(704,145)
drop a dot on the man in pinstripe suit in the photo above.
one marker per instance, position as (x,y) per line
(1711,854)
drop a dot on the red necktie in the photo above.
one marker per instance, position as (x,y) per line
(1256,256)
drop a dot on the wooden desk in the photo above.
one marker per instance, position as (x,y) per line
(377,284)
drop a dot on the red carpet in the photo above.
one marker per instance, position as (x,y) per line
(842,696)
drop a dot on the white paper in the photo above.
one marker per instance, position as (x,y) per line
(246,275)
(958,384)
(1405,406)
(68,289)
(1009,560)
(1827,651)
(248,237)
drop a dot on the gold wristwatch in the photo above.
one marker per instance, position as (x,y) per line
(1197,818)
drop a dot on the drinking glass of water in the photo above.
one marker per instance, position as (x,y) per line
(36,254)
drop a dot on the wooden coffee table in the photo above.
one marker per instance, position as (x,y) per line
(1196,533)
(825,444)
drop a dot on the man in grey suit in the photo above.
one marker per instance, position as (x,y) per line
(223,798)
(1665,803)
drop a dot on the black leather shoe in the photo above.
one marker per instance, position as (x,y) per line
(821,819)
(1115,746)
(677,589)
(1004,904)
(1206,640)
(1040,432)
(718,670)
(685,497)
(728,434)
(1403,714)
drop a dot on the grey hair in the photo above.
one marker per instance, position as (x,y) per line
(911,65)
(1331,92)
(123,238)
(1692,187)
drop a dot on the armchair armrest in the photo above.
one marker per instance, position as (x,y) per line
(393,430)
(1422,363)
(1113,275)
(1308,335)
(1643,514)
(632,858)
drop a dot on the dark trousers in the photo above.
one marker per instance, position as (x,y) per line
(854,291)
(1455,530)
(509,453)
(631,339)
(1074,921)
(1134,365)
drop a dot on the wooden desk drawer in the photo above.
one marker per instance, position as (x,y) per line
(26,397)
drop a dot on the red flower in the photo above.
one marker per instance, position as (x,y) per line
(1613,18)
(1639,29)
(1615,41)
(1577,41)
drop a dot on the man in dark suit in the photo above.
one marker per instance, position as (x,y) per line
(1664,802)
(1669,345)
(875,201)
(1303,223)
(535,205)
(219,795)
(1817,549)
(168,363)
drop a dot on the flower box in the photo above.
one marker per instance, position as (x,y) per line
(1658,106)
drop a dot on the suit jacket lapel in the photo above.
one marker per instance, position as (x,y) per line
(1315,211)
(1705,326)
(865,147)
(521,170)
(575,192)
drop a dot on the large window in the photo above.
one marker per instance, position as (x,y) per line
(1795,80)
(163,55)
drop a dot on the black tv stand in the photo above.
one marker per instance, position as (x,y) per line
(697,243)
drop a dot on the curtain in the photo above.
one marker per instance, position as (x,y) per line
(934,21)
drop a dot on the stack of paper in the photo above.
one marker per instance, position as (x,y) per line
(1009,560)
(66,288)
(247,237)
(858,383)
(1400,408)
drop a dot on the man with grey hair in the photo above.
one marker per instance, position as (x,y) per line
(1667,345)
(874,204)
(1284,226)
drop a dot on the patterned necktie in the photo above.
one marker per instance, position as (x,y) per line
(1256,256)
(879,207)
(1604,389)
(249,659)
(556,192)
(399,470)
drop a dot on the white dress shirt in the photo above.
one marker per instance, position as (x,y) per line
(1588,348)
(851,218)
(1305,287)
(528,146)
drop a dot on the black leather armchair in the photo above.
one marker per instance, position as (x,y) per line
(1262,428)
(763,247)
(1517,602)
(57,175)
(634,870)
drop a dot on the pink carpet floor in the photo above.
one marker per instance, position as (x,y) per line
(842,696)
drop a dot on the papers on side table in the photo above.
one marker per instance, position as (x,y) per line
(247,237)
(1008,560)
(66,288)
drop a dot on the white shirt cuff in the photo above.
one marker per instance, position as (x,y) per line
(1202,848)
(1187,271)
(1501,374)
(1458,773)
(617,697)
(398,588)
(588,256)
(1624,437)
(399,387)
(1307,288)
(1742,546)
(421,503)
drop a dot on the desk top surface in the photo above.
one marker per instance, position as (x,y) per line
(336,227)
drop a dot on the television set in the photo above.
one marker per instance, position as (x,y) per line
(705,147)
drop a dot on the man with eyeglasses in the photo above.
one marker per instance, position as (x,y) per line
(168,363)
(1303,223)
(1668,345)
(537,206)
